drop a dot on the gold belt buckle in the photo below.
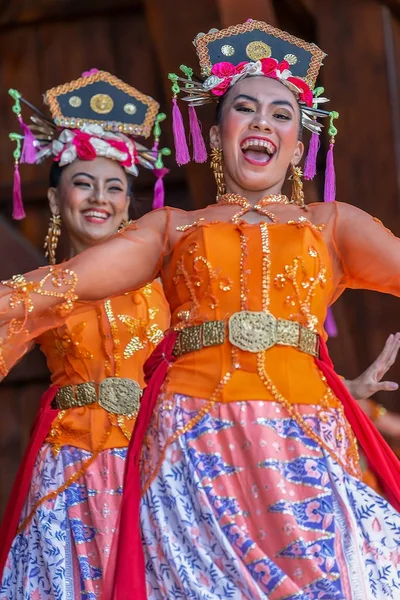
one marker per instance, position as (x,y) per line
(252,331)
(120,396)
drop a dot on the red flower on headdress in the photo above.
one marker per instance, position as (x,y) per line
(123,147)
(283,66)
(84,148)
(269,66)
(239,68)
(306,94)
(225,71)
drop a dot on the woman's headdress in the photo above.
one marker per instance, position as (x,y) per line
(253,49)
(95,115)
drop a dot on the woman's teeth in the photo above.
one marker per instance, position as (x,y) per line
(94,214)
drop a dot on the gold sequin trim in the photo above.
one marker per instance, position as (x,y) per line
(266,263)
(352,465)
(189,425)
(56,277)
(115,337)
(296,275)
(52,495)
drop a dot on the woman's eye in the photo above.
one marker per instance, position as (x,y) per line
(115,189)
(244,109)
(82,184)
(282,117)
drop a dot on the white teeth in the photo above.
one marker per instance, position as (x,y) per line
(256,142)
(95,214)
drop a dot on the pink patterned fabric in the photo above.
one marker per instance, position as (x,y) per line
(63,551)
(244,504)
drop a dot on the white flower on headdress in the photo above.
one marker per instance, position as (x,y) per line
(283,75)
(212,82)
(68,156)
(103,148)
(93,129)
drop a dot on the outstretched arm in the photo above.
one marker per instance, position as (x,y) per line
(33,303)
(369,253)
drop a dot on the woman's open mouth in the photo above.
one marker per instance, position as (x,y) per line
(258,151)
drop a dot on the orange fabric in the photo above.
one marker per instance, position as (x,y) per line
(204,266)
(113,340)
(204,284)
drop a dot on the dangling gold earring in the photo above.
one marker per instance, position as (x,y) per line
(51,241)
(297,186)
(217,162)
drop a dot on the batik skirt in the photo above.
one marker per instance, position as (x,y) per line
(62,547)
(240,502)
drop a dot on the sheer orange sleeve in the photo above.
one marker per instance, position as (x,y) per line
(33,303)
(369,253)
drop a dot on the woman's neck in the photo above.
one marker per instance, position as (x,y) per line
(253,196)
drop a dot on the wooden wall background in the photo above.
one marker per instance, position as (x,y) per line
(44,43)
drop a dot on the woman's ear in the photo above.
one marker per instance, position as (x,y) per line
(215,137)
(298,153)
(52,196)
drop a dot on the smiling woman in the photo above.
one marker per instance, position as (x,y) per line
(62,517)
(92,199)
(258,127)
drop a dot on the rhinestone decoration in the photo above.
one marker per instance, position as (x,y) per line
(291,59)
(75,101)
(228,50)
(130,109)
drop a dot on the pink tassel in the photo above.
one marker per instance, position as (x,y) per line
(181,150)
(158,200)
(199,147)
(28,154)
(310,165)
(330,324)
(330,179)
(18,207)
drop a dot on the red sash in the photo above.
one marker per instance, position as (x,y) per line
(381,458)
(16,502)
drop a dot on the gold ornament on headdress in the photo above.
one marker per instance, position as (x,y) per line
(297,196)
(51,241)
(217,166)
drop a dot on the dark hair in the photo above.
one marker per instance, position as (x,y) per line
(56,173)
(220,105)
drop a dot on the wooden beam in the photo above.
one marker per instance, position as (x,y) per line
(393,5)
(355,78)
(172,32)
(23,12)
(233,12)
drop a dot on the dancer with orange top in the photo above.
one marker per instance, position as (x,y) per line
(62,517)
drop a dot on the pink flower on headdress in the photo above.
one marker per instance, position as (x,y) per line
(306,94)
(123,147)
(283,66)
(89,73)
(84,148)
(269,66)
(225,71)
(239,68)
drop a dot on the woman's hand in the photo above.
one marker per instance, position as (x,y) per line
(370,382)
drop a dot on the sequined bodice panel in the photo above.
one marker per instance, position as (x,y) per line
(221,268)
(112,340)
